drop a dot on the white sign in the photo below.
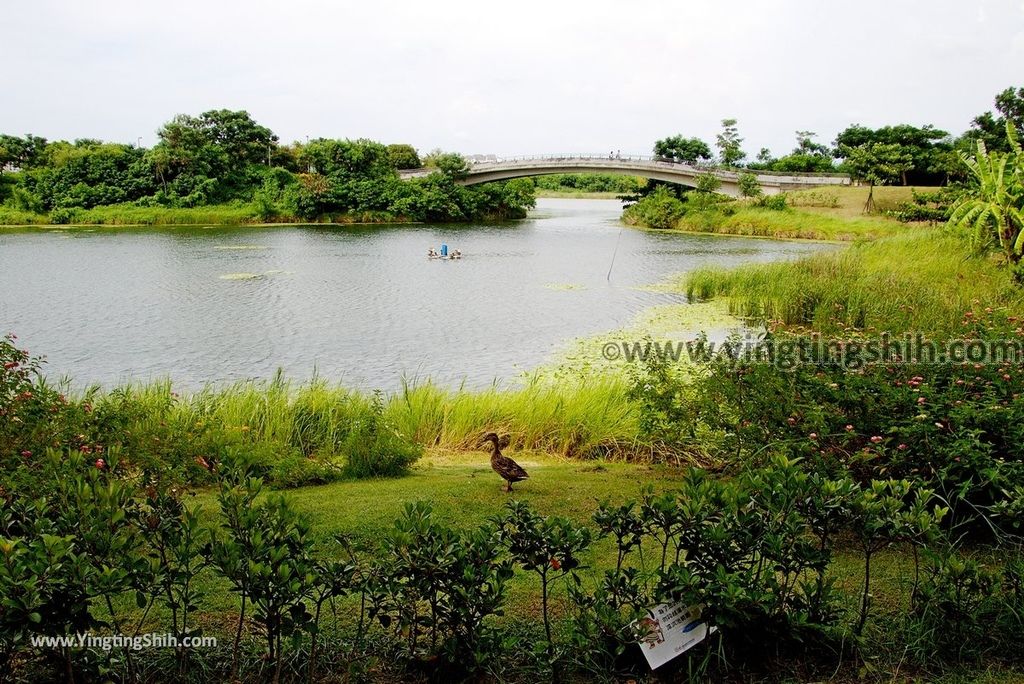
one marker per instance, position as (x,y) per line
(669,630)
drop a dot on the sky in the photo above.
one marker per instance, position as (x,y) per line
(507,78)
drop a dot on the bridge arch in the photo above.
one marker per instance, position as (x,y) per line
(495,169)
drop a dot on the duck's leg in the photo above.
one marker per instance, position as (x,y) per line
(508,486)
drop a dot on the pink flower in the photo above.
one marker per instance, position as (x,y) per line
(26,453)
(876,439)
(902,447)
(920,400)
(813,435)
(849,428)
(100,464)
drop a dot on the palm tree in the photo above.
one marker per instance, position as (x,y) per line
(995,207)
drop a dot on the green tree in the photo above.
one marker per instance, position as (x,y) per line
(805,144)
(90,173)
(926,147)
(21,153)
(708,182)
(728,143)
(680,149)
(878,164)
(749,187)
(994,206)
(404,156)
(990,128)
(807,157)
(210,157)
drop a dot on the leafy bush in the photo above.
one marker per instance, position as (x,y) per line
(660,209)
(773,202)
(437,587)
(546,546)
(374,448)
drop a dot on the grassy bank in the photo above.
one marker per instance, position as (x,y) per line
(788,224)
(222,214)
(922,280)
(311,432)
(833,214)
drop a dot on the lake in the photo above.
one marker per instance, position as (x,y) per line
(361,305)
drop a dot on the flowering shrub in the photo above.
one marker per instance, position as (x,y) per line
(957,428)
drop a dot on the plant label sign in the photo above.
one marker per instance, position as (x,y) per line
(669,630)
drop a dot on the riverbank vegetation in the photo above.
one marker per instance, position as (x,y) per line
(587,185)
(832,512)
(223,167)
(822,214)
(879,519)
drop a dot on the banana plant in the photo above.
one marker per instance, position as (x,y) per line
(995,207)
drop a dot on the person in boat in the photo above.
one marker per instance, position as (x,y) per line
(431,254)
(456,254)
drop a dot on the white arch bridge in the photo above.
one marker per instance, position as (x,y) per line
(487,169)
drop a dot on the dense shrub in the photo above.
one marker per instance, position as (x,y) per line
(953,427)
(660,209)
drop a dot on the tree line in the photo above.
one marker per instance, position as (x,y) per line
(224,156)
(895,154)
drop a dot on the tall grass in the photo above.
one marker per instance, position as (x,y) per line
(129,214)
(16,217)
(922,280)
(318,419)
(576,419)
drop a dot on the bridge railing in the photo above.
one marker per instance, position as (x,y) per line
(701,167)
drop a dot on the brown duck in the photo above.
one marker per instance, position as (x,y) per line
(509,470)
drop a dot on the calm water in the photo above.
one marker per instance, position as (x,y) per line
(360,305)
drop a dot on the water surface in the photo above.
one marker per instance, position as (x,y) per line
(361,305)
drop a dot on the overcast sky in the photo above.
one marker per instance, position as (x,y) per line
(511,77)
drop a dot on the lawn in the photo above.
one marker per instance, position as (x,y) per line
(465,492)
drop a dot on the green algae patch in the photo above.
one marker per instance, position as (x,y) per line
(666,324)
